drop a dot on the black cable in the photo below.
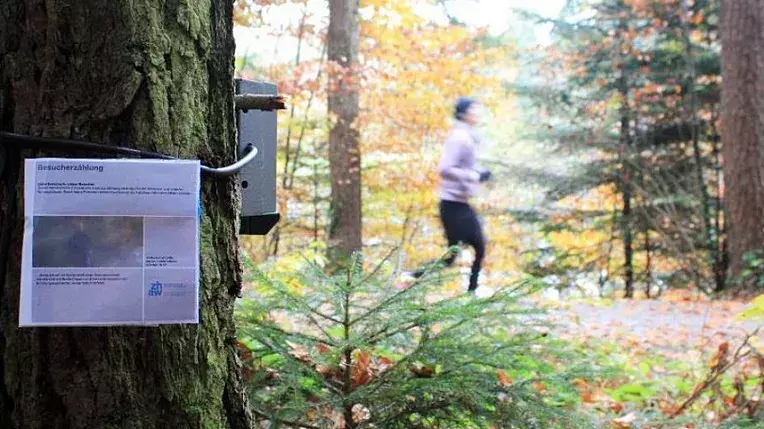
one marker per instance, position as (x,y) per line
(24,140)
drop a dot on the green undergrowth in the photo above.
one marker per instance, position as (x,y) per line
(643,387)
(357,349)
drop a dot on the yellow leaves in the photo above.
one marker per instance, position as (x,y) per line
(580,383)
(372,3)
(415,91)
(577,239)
(758,345)
(242,13)
(410,72)
(696,36)
(755,310)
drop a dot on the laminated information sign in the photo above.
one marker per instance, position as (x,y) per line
(110,242)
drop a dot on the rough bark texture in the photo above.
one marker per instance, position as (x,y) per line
(344,148)
(743,127)
(153,74)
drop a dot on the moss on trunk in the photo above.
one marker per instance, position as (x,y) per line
(152,74)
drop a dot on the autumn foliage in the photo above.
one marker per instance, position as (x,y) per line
(608,183)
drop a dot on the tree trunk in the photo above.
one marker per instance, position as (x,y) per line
(626,194)
(648,264)
(344,148)
(709,233)
(743,129)
(145,74)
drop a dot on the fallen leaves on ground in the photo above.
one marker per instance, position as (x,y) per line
(670,345)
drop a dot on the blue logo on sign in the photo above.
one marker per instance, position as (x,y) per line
(155,289)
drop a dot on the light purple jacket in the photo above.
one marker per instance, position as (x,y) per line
(458,167)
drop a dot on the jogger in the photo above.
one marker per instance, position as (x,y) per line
(461,177)
(462,226)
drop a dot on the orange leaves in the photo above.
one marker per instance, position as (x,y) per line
(586,390)
(245,354)
(409,72)
(720,358)
(637,4)
(652,88)
(587,398)
(361,372)
(365,367)
(696,36)
(698,18)
(504,380)
(420,370)
(409,96)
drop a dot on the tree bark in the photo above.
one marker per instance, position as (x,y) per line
(145,74)
(648,264)
(344,148)
(710,235)
(626,190)
(743,130)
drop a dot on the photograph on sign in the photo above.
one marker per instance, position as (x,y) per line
(110,242)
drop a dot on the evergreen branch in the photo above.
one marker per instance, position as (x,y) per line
(284,352)
(407,410)
(292,423)
(378,266)
(387,302)
(321,328)
(413,354)
(465,336)
(285,293)
(384,333)
(495,350)
(269,326)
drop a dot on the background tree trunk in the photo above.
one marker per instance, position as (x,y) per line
(626,190)
(147,74)
(743,127)
(344,148)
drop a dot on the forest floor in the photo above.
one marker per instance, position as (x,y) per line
(664,351)
(673,326)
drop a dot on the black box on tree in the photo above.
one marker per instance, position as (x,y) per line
(258,178)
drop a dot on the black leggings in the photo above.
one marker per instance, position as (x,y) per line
(461,225)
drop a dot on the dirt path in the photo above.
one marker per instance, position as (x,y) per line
(672,326)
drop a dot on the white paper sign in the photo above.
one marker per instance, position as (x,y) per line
(110,242)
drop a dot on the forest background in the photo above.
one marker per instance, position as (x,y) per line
(607,155)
